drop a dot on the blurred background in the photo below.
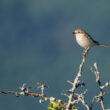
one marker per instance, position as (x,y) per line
(36,44)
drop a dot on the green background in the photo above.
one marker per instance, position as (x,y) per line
(36,44)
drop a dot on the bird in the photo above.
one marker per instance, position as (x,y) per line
(85,40)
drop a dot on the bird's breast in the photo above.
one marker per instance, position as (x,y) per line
(82,40)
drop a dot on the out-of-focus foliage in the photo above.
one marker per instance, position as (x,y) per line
(53,106)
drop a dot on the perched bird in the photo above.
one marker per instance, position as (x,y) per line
(85,40)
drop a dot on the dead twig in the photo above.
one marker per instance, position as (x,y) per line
(101,94)
(76,81)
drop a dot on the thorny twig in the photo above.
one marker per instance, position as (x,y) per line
(100,96)
(76,81)
(25,92)
(80,98)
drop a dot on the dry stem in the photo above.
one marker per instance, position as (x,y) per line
(100,96)
(76,81)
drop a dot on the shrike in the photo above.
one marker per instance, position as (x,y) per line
(85,40)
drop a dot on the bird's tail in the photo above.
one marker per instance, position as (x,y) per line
(104,45)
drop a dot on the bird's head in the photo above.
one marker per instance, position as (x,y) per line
(79,31)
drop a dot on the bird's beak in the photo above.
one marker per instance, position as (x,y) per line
(73,32)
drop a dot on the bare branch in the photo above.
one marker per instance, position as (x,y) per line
(106,85)
(82,99)
(25,92)
(100,96)
(76,81)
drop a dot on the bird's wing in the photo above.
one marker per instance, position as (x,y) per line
(96,42)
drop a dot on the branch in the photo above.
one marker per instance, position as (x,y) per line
(80,98)
(76,81)
(25,92)
(101,94)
